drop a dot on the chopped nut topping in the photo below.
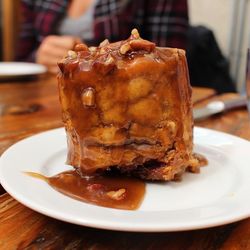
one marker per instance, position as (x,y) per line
(88,97)
(135,33)
(92,49)
(142,44)
(81,47)
(104,43)
(125,48)
(72,54)
(109,60)
(102,51)
(117,195)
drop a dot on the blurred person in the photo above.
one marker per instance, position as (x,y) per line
(50,28)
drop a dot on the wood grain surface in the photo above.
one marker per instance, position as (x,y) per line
(28,108)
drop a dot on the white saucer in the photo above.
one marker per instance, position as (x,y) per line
(218,195)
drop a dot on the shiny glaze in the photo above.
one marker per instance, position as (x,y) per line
(98,190)
(102,190)
(127,105)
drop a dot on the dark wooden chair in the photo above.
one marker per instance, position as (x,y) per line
(10,20)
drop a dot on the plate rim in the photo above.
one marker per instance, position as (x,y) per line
(42,70)
(111,226)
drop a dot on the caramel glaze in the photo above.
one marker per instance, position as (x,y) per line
(107,190)
(127,105)
(102,190)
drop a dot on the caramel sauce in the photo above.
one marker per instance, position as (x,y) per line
(107,191)
(119,192)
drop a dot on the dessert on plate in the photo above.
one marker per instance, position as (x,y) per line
(127,108)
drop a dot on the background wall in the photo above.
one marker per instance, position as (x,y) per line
(230,21)
(215,14)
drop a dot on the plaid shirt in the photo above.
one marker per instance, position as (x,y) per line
(164,22)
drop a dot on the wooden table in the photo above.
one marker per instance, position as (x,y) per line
(30,107)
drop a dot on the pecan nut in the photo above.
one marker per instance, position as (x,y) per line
(72,54)
(135,34)
(141,44)
(81,47)
(104,43)
(92,49)
(125,48)
(117,195)
(88,97)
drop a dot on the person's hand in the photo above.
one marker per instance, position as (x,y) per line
(53,49)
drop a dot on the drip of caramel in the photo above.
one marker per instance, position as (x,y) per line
(107,191)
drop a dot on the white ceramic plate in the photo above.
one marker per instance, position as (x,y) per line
(17,69)
(220,194)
